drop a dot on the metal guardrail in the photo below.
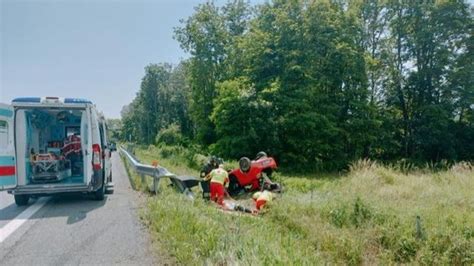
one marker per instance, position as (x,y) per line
(159,172)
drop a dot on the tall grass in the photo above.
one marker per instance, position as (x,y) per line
(372,215)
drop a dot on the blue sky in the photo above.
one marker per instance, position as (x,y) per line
(90,49)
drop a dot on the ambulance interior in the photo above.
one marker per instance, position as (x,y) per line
(52,145)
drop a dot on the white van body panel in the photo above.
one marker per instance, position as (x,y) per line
(7,148)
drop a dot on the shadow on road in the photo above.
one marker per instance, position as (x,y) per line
(11,211)
(73,206)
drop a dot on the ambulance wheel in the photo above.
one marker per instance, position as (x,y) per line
(21,200)
(100,193)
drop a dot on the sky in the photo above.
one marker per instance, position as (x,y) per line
(94,49)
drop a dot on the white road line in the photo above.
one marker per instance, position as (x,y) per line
(14,224)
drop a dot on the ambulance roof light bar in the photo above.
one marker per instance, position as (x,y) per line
(51,100)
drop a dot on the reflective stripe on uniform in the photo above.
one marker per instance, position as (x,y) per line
(264,195)
(219,176)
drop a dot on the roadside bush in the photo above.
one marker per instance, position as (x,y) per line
(339,216)
(405,249)
(354,214)
(462,167)
(350,250)
(385,175)
(448,247)
(361,213)
(178,155)
(196,160)
(167,152)
(303,185)
(461,252)
(362,165)
(170,136)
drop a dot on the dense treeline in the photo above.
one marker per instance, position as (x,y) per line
(318,83)
(161,101)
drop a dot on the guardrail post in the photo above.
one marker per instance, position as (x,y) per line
(143,180)
(156,184)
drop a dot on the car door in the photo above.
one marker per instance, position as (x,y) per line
(8,179)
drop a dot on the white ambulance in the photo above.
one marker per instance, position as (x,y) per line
(52,145)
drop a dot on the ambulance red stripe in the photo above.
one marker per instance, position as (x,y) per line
(7,170)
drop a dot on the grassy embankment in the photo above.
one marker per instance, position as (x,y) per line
(368,216)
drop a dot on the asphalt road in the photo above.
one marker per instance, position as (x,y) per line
(75,229)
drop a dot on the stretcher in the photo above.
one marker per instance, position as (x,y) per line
(49,167)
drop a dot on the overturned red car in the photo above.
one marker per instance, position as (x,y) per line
(253,175)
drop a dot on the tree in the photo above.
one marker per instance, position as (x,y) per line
(204,36)
(178,94)
(114,129)
(161,101)
(426,40)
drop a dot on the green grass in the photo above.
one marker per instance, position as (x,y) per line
(368,216)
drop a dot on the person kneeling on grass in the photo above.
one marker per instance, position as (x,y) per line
(261,198)
(219,181)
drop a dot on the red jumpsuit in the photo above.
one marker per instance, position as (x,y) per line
(219,178)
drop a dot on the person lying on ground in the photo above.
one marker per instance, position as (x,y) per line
(261,198)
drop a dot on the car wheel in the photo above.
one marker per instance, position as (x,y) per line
(100,193)
(22,200)
(244,164)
